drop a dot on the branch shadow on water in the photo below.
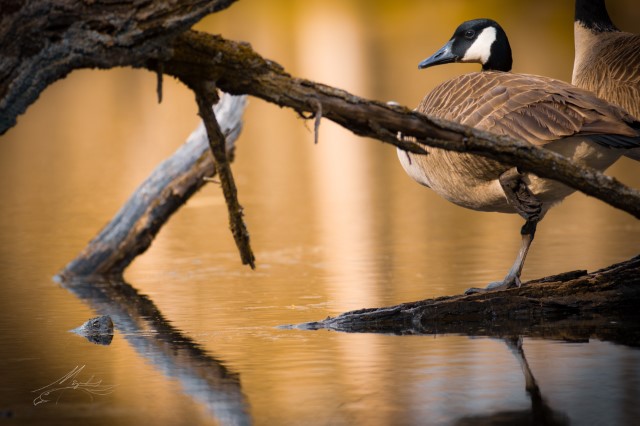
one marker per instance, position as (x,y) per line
(139,320)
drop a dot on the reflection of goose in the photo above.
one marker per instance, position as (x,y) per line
(539,414)
(545,112)
(202,376)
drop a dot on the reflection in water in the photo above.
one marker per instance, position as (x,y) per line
(145,328)
(341,169)
(74,159)
(340,160)
(539,414)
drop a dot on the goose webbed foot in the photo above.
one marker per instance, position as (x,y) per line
(509,282)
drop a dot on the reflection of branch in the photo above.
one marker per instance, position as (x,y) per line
(202,376)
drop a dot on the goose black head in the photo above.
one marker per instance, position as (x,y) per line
(592,14)
(480,41)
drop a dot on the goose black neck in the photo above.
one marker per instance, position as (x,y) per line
(592,14)
(500,58)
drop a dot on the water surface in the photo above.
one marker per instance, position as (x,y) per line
(335,227)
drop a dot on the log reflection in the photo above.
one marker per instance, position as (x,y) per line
(137,318)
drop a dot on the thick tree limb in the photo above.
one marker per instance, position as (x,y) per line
(236,68)
(42,41)
(576,305)
(169,186)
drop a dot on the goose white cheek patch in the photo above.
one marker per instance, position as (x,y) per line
(480,50)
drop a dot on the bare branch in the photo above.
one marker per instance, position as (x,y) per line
(238,69)
(205,97)
(318,118)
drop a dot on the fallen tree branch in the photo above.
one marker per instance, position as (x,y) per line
(575,306)
(238,69)
(134,227)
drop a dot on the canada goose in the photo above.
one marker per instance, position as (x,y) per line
(607,60)
(540,110)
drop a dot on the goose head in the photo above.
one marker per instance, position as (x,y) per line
(480,41)
(593,15)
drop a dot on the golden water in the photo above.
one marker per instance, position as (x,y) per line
(335,226)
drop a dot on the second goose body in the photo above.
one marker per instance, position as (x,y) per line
(545,112)
(607,60)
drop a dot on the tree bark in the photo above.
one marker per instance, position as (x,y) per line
(205,96)
(570,306)
(42,41)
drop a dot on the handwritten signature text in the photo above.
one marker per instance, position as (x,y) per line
(70,382)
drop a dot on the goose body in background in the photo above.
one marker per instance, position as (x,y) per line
(545,112)
(607,60)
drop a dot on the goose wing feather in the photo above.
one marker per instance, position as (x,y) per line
(537,109)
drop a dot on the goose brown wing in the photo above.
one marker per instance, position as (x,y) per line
(537,109)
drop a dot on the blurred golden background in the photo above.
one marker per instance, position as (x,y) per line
(335,226)
(97,134)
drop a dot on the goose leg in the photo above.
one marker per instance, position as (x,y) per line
(530,208)
(528,231)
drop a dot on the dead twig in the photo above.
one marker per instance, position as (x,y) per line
(318,117)
(205,97)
